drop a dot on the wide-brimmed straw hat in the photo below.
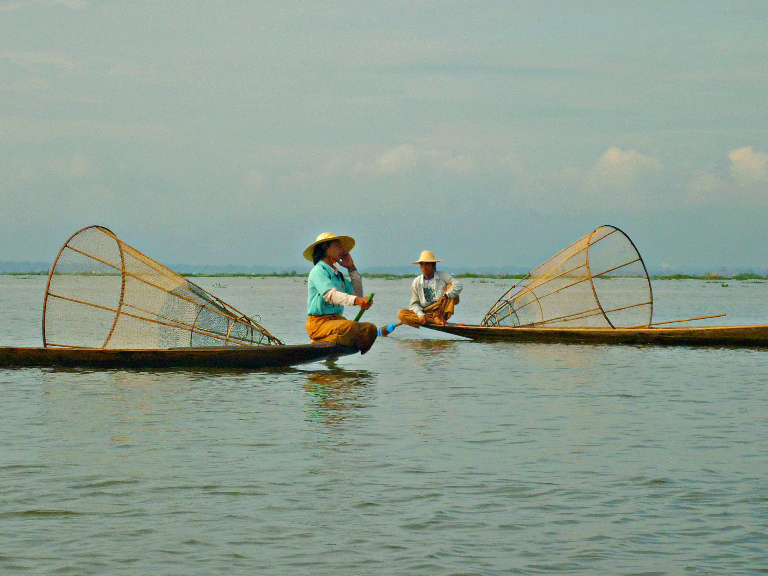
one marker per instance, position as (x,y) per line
(427,256)
(347,243)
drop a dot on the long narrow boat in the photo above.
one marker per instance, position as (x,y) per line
(751,335)
(107,305)
(597,291)
(243,357)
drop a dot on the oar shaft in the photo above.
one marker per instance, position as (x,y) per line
(688,319)
(359,314)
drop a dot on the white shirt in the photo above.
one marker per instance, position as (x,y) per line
(434,288)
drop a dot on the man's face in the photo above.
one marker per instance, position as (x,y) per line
(427,268)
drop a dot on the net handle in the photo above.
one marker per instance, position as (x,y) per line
(122,287)
(592,279)
(53,267)
(639,258)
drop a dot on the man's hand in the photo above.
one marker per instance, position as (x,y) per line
(423,320)
(363,302)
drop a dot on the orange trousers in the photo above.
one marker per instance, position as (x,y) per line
(336,328)
(434,311)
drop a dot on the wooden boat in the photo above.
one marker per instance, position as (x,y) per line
(107,305)
(242,357)
(595,291)
(754,335)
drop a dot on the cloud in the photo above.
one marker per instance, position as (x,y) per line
(408,158)
(73,4)
(744,179)
(49,58)
(747,166)
(21,4)
(622,170)
(398,160)
(705,186)
(60,169)
(254,181)
(77,167)
(367,161)
(25,130)
(8,6)
(619,180)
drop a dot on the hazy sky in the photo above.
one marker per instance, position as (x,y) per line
(493,133)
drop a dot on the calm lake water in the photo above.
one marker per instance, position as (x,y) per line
(431,455)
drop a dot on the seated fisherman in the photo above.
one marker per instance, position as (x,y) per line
(434,294)
(328,291)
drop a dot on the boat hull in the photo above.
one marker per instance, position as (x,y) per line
(243,357)
(738,336)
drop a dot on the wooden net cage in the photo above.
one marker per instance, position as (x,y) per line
(598,281)
(102,293)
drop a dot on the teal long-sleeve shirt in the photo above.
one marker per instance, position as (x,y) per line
(321,279)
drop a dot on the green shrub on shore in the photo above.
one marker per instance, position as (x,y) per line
(386,276)
(712,276)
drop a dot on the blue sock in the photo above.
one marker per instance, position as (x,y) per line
(389,329)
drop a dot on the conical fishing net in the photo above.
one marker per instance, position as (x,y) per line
(102,293)
(598,281)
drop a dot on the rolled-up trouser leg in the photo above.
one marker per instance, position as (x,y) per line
(409,317)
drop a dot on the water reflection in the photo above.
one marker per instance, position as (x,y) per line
(555,354)
(432,347)
(334,395)
(120,407)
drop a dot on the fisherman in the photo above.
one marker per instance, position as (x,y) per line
(329,291)
(434,294)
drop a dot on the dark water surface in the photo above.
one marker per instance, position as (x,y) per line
(431,455)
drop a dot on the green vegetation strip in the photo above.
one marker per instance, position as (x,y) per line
(471,275)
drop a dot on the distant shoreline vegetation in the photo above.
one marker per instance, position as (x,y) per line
(712,276)
(471,275)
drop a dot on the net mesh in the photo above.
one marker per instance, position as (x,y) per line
(102,293)
(598,281)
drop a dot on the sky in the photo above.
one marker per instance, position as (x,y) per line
(233,132)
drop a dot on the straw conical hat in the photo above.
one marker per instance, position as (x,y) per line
(347,243)
(427,256)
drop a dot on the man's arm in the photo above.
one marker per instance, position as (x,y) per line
(455,288)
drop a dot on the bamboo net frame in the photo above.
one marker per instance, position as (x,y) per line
(598,281)
(103,293)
